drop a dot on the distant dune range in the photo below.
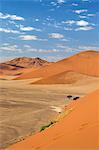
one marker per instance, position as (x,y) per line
(21,65)
(70,70)
(83,66)
(78,130)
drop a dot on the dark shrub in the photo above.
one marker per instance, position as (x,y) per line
(46,126)
(75,98)
(69,96)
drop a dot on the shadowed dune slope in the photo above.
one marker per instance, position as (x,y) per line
(78,130)
(84,62)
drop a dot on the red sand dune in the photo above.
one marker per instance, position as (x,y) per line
(79,130)
(86,62)
(67,77)
(20,65)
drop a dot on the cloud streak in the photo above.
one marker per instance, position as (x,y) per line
(29,37)
(28,28)
(11,17)
(9,31)
(56,36)
(80,11)
(10,48)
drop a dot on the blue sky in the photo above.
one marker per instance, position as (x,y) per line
(50,29)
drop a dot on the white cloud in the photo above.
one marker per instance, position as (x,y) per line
(60,1)
(74,4)
(53,3)
(82,16)
(29,37)
(56,36)
(64,40)
(88,48)
(42,50)
(48,50)
(27,46)
(9,31)
(81,11)
(10,48)
(61,46)
(14,17)
(69,22)
(87,15)
(86,28)
(36,19)
(78,23)
(82,23)
(26,28)
(29,28)
(11,17)
(43,39)
(12,22)
(91,15)
(68,29)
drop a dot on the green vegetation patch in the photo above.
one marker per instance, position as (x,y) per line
(46,126)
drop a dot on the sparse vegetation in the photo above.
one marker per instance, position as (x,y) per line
(75,98)
(69,96)
(72,97)
(46,126)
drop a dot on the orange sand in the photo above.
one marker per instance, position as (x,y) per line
(79,130)
(84,62)
(67,77)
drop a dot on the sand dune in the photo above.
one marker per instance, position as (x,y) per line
(68,77)
(84,62)
(78,130)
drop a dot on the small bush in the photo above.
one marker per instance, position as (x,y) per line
(46,126)
(75,98)
(69,96)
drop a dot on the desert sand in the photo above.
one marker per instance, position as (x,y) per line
(25,108)
(78,130)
